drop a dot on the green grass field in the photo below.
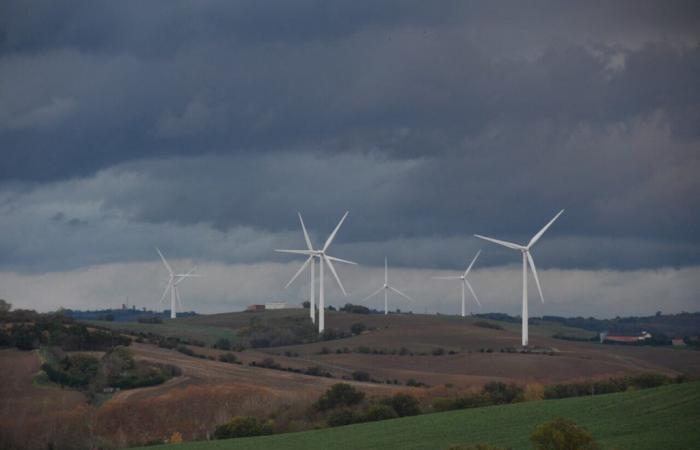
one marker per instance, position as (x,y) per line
(169,328)
(663,418)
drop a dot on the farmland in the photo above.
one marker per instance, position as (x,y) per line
(425,356)
(664,417)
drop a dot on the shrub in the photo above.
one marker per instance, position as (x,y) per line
(360,375)
(500,393)
(175,438)
(438,351)
(562,434)
(358,328)
(340,394)
(342,416)
(415,383)
(242,426)
(403,404)
(380,412)
(228,358)
(223,344)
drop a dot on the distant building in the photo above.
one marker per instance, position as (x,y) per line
(275,305)
(678,342)
(625,339)
(255,308)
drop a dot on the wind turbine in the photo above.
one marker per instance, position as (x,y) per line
(173,281)
(527,259)
(464,282)
(386,287)
(322,257)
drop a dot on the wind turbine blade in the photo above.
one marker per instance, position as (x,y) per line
(537,237)
(296,252)
(306,235)
(399,292)
(333,258)
(503,243)
(471,289)
(335,275)
(378,291)
(165,292)
(167,266)
(534,273)
(446,278)
(301,269)
(472,263)
(332,236)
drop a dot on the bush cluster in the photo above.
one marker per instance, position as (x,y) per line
(617,384)
(242,426)
(493,393)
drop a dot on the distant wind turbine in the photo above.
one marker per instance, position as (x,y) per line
(527,259)
(322,257)
(464,283)
(173,281)
(386,287)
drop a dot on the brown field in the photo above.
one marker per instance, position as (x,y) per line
(209,392)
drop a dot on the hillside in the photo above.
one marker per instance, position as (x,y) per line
(431,349)
(652,419)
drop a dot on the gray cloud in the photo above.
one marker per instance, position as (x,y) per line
(204,127)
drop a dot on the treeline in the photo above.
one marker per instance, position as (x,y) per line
(28,330)
(683,324)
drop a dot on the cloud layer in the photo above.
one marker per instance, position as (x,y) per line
(202,127)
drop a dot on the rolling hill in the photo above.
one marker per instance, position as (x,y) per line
(652,419)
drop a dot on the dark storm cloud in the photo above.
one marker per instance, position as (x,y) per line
(429,122)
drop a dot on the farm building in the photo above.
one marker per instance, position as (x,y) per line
(678,342)
(275,305)
(255,308)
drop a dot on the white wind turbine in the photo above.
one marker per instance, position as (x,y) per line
(464,283)
(527,259)
(323,257)
(386,287)
(173,281)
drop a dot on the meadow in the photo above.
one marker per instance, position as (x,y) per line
(661,418)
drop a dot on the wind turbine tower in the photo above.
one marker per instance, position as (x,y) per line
(324,259)
(174,280)
(464,283)
(527,259)
(386,287)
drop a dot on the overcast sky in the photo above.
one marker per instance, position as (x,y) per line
(202,127)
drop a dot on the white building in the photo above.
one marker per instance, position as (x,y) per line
(276,305)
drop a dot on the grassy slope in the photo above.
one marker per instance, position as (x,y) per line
(665,417)
(170,328)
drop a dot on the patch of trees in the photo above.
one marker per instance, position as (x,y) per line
(608,386)
(343,405)
(355,309)
(57,331)
(492,393)
(278,332)
(116,369)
